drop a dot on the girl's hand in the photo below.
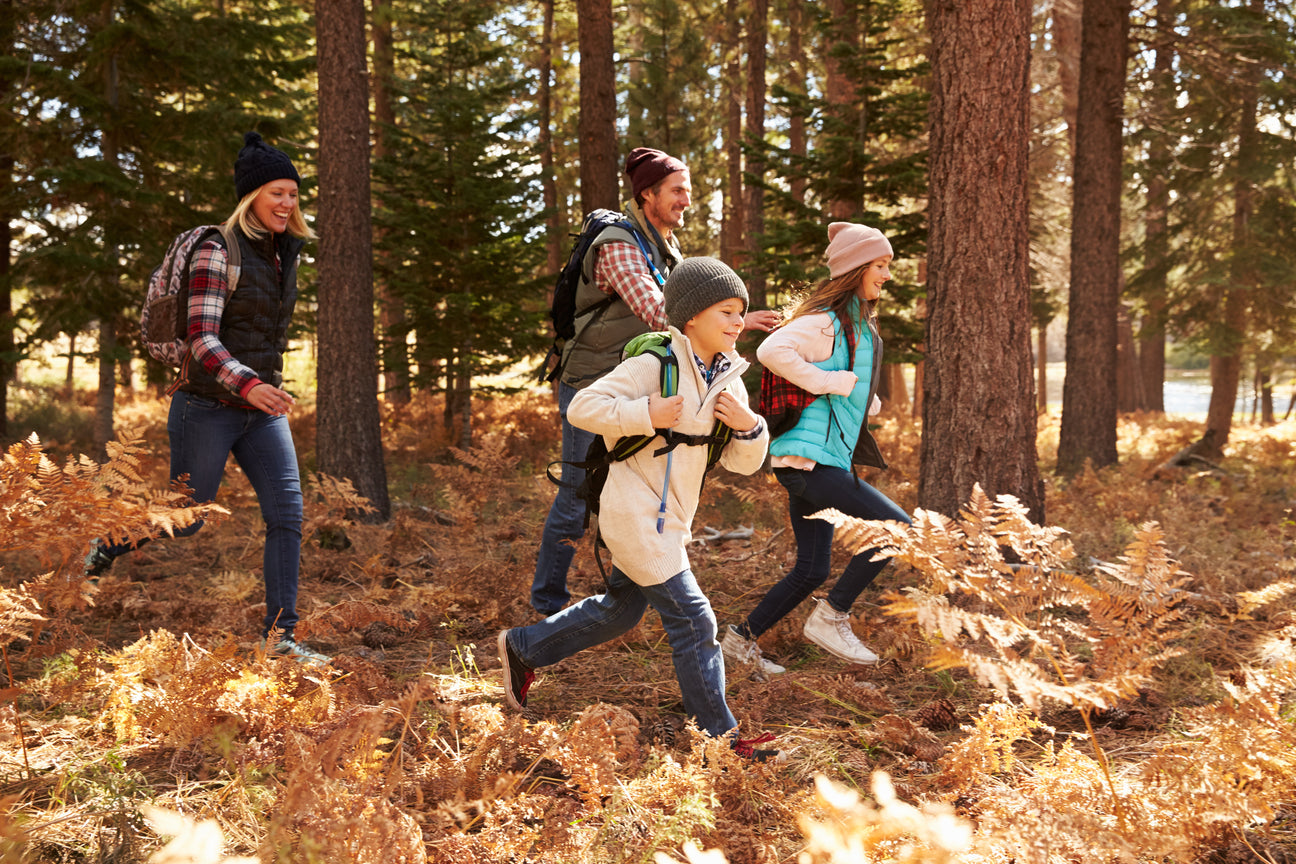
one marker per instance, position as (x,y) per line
(734,414)
(665,411)
(270,399)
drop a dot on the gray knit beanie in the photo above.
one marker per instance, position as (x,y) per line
(258,164)
(696,283)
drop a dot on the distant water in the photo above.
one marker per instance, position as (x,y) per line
(1186,393)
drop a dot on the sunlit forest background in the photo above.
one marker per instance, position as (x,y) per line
(1086,658)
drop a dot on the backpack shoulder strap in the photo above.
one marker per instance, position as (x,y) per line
(233,255)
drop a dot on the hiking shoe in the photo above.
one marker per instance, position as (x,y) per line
(747,652)
(289,647)
(747,749)
(98,561)
(517,675)
(831,631)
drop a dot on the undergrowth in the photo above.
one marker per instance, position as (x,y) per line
(1115,684)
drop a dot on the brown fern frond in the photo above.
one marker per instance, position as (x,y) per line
(1249,601)
(18,612)
(490,456)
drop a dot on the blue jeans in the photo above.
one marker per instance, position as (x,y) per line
(565,524)
(204,432)
(809,492)
(690,628)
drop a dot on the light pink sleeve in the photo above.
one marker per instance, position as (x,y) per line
(792,350)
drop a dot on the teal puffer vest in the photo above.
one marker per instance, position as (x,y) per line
(833,428)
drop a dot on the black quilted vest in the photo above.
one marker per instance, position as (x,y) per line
(254,327)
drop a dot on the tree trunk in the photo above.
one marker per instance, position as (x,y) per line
(106,395)
(1264,395)
(1066,30)
(1041,370)
(597,126)
(1226,361)
(548,182)
(1088,432)
(1129,378)
(838,88)
(979,428)
(757,30)
(8,34)
(731,219)
(797,137)
(348,438)
(1156,240)
(395,350)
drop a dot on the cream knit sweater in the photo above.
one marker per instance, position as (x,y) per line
(615,406)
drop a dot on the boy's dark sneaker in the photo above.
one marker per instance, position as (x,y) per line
(517,675)
(98,561)
(747,749)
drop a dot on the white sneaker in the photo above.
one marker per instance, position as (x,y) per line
(747,652)
(831,631)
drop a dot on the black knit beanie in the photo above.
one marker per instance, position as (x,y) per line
(697,283)
(258,164)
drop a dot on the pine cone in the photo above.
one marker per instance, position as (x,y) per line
(379,635)
(937,715)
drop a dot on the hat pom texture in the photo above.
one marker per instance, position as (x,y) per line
(258,164)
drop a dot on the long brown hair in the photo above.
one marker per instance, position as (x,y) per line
(834,294)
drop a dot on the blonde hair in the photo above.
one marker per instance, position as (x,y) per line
(252,227)
(834,294)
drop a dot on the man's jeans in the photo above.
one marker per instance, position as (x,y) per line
(690,628)
(809,492)
(565,524)
(203,434)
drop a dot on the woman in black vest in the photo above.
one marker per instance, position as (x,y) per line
(229,398)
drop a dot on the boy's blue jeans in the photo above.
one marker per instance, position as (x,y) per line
(203,433)
(809,492)
(565,523)
(690,628)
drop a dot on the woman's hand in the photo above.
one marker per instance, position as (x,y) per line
(734,414)
(270,399)
(764,320)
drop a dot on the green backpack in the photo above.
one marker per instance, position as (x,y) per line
(599,458)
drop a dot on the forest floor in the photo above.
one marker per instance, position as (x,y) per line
(148,690)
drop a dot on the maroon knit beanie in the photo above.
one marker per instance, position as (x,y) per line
(647,166)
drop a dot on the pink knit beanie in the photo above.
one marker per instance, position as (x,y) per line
(851,245)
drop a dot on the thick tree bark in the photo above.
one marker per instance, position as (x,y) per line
(395,351)
(599,167)
(348,439)
(731,218)
(757,29)
(978,387)
(1088,431)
